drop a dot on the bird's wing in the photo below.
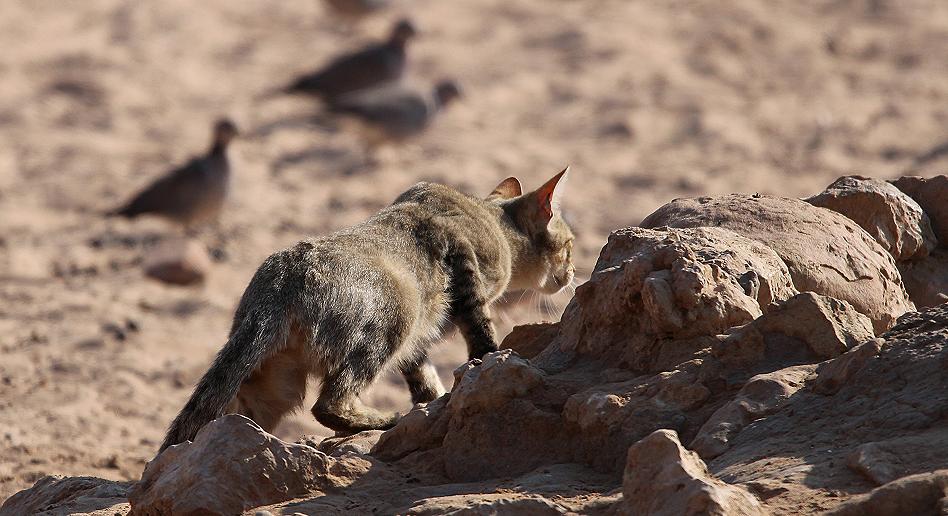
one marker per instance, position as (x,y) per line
(372,66)
(385,106)
(168,194)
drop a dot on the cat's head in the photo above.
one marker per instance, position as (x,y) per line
(543,258)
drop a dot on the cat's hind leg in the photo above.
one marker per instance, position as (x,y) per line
(339,407)
(272,391)
(422,379)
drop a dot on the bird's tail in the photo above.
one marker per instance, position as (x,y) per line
(257,337)
(123,211)
(294,88)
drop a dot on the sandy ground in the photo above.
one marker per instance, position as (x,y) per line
(646,100)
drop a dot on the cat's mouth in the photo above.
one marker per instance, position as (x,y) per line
(554,284)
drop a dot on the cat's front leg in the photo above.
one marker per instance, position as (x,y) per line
(478,331)
(469,306)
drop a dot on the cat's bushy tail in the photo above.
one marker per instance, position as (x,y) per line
(253,340)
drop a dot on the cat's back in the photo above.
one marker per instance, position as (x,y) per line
(405,235)
(433,200)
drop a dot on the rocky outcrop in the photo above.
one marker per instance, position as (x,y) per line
(833,374)
(656,296)
(761,396)
(804,329)
(890,216)
(72,495)
(529,340)
(932,195)
(694,335)
(885,461)
(663,478)
(922,494)
(231,466)
(808,444)
(926,280)
(825,252)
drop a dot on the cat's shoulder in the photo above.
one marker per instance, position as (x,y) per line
(424,191)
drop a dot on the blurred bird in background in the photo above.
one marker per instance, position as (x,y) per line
(354,10)
(192,194)
(372,66)
(395,113)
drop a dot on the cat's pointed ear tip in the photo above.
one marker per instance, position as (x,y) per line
(507,189)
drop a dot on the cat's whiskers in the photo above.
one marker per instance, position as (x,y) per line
(504,317)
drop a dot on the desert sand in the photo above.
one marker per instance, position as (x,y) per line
(647,101)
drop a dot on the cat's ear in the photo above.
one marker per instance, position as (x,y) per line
(507,189)
(549,195)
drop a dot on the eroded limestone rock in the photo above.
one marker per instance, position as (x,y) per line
(932,195)
(890,216)
(663,478)
(806,328)
(926,280)
(761,396)
(824,251)
(653,291)
(922,494)
(232,466)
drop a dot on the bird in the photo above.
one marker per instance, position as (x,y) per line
(355,9)
(372,66)
(395,113)
(193,193)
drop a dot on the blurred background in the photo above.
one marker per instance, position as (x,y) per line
(646,100)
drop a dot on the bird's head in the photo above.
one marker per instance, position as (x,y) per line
(224,131)
(446,92)
(403,31)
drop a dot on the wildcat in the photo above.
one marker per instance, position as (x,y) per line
(346,306)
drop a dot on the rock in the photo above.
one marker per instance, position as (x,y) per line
(232,466)
(922,494)
(422,428)
(492,396)
(488,394)
(555,433)
(885,461)
(890,216)
(833,374)
(178,262)
(528,340)
(824,251)
(605,420)
(932,195)
(73,495)
(360,443)
(825,327)
(829,326)
(743,263)
(926,280)
(761,396)
(662,477)
(487,503)
(799,452)
(671,286)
